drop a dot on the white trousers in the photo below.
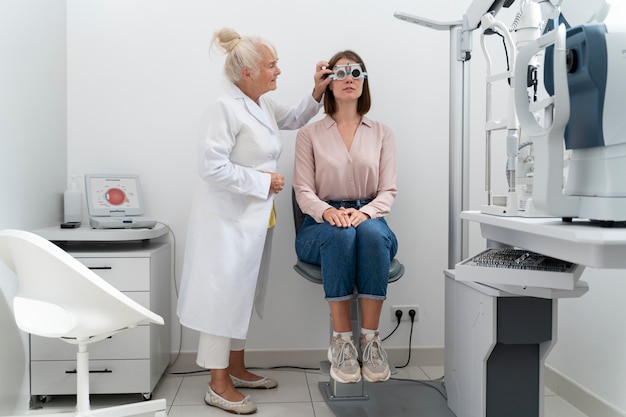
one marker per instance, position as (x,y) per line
(214,351)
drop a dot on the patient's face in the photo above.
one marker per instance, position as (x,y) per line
(349,88)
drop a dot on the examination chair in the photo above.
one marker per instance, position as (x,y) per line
(59,297)
(336,390)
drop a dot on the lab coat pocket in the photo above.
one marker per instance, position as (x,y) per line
(227,204)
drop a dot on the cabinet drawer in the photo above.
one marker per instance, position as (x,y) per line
(105,377)
(125,274)
(128,344)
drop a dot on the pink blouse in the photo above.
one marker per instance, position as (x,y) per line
(325,170)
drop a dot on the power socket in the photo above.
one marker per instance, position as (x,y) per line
(405,312)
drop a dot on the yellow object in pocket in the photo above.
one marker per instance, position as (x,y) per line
(272,221)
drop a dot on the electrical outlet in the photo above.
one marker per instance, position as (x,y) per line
(405,312)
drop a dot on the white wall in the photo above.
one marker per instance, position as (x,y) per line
(32,155)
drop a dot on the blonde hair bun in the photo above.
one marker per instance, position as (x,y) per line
(228,38)
(241,51)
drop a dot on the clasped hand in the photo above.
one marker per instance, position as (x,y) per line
(277,183)
(344,217)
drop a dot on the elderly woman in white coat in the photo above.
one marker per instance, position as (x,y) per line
(229,234)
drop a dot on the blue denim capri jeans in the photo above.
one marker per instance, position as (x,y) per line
(351,258)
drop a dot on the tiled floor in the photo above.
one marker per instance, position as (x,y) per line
(298,395)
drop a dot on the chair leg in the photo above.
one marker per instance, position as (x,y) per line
(82,380)
(156,408)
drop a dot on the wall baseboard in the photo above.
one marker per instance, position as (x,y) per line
(309,358)
(578,396)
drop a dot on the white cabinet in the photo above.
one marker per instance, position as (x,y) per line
(131,361)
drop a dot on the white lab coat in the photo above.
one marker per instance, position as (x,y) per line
(231,209)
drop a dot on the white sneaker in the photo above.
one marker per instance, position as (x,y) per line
(374,358)
(343,355)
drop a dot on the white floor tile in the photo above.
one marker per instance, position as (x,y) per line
(313,380)
(292,388)
(192,390)
(167,388)
(264,410)
(433,372)
(411,372)
(194,411)
(322,410)
(285,410)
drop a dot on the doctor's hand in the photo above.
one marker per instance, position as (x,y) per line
(336,217)
(321,79)
(277,183)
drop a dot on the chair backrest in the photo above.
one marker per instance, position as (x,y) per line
(58,296)
(298,215)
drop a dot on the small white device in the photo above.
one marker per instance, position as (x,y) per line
(115,202)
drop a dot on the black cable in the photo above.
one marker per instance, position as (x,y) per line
(399,318)
(429,384)
(199,371)
(412,315)
(297,368)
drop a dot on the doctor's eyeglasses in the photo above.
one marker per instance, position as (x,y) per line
(340,72)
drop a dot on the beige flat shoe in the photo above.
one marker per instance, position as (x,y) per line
(263,383)
(244,406)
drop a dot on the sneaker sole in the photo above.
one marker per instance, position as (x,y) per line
(343,381)
(386,378)
(336,377)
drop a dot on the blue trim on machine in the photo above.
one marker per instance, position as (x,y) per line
(587,81)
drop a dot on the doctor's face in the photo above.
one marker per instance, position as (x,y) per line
(265,80)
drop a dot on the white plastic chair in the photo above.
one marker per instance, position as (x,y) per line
(59,297)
